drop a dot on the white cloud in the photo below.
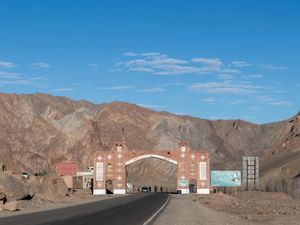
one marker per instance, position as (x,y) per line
(141,69)
(273,101)
(162,64)
(241,63)
(152,90)
(273,67)
(37,78)
(224,88)
(122,87)
(264,98)
(252,76)
(129,54)
(62,89)
(225,76)
(237,102)
(176,69)
(16,82)
(209,63)
(115,70)
(215,65)
(156,63)
(40,65)
(209,100)
(8,75)
(281,103)
(7,65)
(7,78)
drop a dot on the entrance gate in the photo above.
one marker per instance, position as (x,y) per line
(191,165)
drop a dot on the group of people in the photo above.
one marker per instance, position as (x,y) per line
(156,189)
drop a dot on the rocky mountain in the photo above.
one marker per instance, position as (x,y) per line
(39,130)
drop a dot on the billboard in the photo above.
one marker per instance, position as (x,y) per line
(225,178)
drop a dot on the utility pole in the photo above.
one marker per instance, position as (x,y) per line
(123,135)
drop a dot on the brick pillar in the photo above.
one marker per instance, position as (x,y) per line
(182,153)
(203,180)
(99,174)
(119,159)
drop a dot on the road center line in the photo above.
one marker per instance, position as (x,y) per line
(158,211)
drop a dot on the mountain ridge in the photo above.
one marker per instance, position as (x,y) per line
(40,130)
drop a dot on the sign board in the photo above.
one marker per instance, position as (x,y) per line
(250,172)
(99,171)
(250,169)
(202,170)
(183,183)
(225,178)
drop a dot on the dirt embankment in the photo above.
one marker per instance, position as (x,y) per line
(19,193)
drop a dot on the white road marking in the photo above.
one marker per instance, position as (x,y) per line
(158,211)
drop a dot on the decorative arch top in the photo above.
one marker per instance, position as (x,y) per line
(150,156)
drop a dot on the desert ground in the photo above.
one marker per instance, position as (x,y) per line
(245,208)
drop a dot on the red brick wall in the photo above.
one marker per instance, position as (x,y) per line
(66,169)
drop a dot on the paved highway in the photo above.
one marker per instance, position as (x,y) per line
(137,209)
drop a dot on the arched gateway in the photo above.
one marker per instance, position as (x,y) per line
(191,165)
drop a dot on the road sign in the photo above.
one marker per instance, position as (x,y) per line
(225,178)
(183,183)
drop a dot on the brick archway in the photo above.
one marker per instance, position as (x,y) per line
(191,165)
(150,156)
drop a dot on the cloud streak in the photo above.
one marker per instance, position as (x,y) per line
(40,65)
(156,63)
(8,75)
(161,64)
(273,67)
(122,87)
(7,65)
(281,103)
(9,78)
(152,90)
(241,63)
(224,88)
(62,90)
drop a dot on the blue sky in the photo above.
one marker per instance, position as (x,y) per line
(209,59)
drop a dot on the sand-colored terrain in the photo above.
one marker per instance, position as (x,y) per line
(247,208)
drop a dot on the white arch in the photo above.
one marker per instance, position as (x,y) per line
(150,156)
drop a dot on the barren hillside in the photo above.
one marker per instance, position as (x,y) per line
(39,130)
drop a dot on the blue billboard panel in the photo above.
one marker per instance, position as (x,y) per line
(183,183)
(225,178)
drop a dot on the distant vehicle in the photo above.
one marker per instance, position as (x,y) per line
(25,175)
(145,189)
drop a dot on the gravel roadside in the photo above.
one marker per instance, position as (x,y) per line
(249,208)
(182,210)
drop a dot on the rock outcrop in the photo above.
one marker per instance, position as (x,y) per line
(13,188)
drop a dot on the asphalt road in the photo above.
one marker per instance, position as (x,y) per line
(128,210)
